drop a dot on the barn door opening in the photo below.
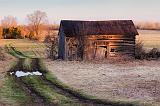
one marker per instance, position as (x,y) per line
(101,52)
(71,48)
(74,48)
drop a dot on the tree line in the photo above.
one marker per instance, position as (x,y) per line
(37,27)
(148,25)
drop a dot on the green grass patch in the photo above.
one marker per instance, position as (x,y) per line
(29,53)
(12,50)
(50,95)
(11,93)
(26,49)
(27,64)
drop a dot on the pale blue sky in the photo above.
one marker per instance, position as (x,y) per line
(137,10)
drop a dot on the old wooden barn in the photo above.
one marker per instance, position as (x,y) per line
(86,40)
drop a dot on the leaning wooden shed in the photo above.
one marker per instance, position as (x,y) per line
(79,40)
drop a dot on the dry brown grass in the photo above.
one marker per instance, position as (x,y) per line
(2,54)
(5,65)
(148,25)
(150,39)
(125,80)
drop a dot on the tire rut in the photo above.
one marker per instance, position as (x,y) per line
(68,93)
(37,98)
(72,95)
(40,100)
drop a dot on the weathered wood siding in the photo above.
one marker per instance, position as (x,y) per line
(99,46)
(61,45)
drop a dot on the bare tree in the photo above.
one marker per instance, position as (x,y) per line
(36,21)
(8,21)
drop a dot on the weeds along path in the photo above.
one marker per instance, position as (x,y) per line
(36,98)
(46,90)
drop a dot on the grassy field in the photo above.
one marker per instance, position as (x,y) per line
(137,81)
(40,90)
(30,48)
(84,79)
(150,38)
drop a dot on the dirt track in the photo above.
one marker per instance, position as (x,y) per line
(38,99)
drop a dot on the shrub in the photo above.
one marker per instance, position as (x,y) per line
(139,50)
(12,33)
(141,54)
(154,53)
(52,46)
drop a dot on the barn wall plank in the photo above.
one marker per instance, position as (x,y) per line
(61,45)
(95,46)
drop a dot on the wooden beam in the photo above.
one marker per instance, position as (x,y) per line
(61,45)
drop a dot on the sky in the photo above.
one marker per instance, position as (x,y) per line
(136,10)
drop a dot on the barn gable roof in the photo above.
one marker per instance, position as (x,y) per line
(112,27)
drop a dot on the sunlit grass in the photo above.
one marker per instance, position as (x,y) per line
(150,39)
(10,93)
(32,49)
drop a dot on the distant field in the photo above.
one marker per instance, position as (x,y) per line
(27,47)
(150,38)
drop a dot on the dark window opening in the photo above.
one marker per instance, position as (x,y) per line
(103,46)
(112,50)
